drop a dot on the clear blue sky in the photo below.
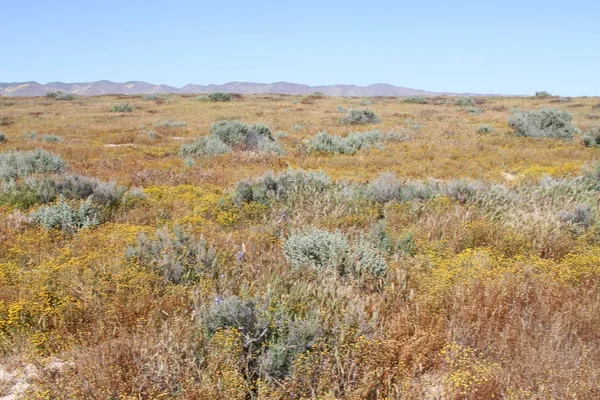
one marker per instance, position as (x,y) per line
(483,46)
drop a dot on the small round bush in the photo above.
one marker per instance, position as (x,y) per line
(360,117)
(316,248)
(485,129)
(2,137)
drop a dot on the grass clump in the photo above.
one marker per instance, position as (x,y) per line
(415,100)
(324,143)
(219,97)
(170,124)
(226,136)
(50,138)
(360,117)
(121,108)
(20,164)
(544,123)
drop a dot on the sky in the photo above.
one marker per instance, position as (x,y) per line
(482,46)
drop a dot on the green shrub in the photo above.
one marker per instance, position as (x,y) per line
(296,127)
(341,110)
(2,137)
(360,117)
(542,94)
(591,138)
(415,100)
(49,138)
(485,129)
(366,102)
(64,217)
(20,195)
(19,164)
(464,102)
(289,183)
(121,108)
(51,95)
(544,123)
(219,97)
(175,256)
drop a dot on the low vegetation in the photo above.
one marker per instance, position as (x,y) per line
(453,262)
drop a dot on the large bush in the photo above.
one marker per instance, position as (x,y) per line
(229,135)
(19,164)
(360,117)
(544,123)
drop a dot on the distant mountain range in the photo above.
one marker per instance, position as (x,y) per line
(136,87)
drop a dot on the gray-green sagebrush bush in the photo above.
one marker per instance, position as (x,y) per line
(67,217)
(331,252)
(360,117)
(2,137)
(176,255)
(30,191)
(289,183)
(226,136)
(324,143)
(545,123)
(20,164)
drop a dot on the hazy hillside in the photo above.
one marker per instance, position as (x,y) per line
(137,87)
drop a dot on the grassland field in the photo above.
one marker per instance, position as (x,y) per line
(448,263)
